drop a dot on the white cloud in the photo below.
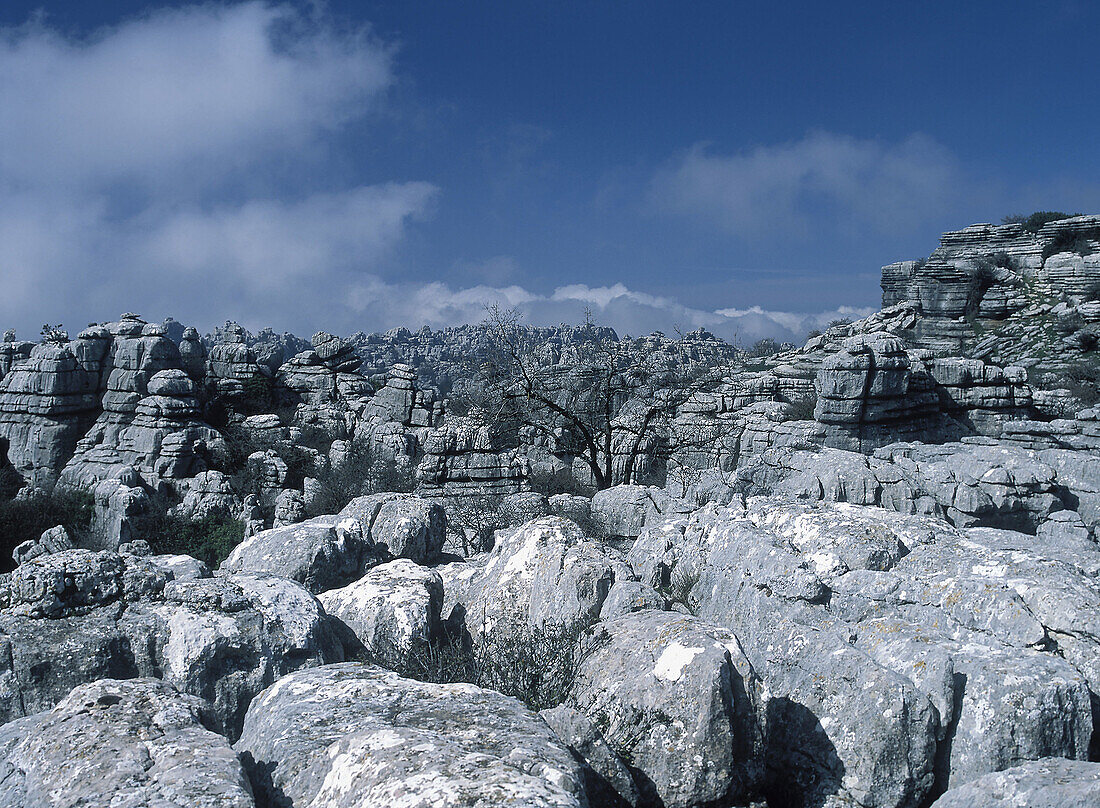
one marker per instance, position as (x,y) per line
(268,244)
(387,305)
(822,181)
(139,167)
(200,89)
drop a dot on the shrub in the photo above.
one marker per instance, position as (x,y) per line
(550,483)
(365,471)
(26,519)
(210,539)
(1034,223)
(802,409)
(681,583)
(54,334)
(1079,242)
(764,347)
(1082,380)
(536,665)
(472,521)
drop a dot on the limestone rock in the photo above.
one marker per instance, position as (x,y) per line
(393,610)
(459,461)
(1046,783)
(677,698)
(46,404)
(208,492)
(119,505)
(328,552)
(150,420)
(112,743)
(78,616)
(290,508)
(624,510)
(900,656)
(608,781)
(544,574)
(54,540)
(322,553)
(351,734)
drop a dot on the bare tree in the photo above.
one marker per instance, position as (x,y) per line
(610,398)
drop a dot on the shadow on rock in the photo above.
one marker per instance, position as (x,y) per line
(803,768)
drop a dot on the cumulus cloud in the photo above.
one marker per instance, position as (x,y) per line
(201,89)
(824,180)
(140,166)
(188,162)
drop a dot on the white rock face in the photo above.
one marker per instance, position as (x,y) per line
(393,610)
(119,743)
(328,552)
(898,654)
(677,698)
(543,574)
(355,735)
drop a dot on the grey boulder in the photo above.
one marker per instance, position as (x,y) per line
(77,616)
(677,699)
(117,744)
(393,610)
(355,735)
(1046,783)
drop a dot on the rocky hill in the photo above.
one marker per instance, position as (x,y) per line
(499,564)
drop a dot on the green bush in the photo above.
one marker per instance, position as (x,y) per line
(536,665)
(25,519)
(210,539)
(1034,223)
(1079,242)
(764,347)
(366,471)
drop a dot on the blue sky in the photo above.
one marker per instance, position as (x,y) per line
(743,166)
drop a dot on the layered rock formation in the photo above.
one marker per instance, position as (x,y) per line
(459,460)
(46,404)
(163,437)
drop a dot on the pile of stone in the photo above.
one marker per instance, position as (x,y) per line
(326,373)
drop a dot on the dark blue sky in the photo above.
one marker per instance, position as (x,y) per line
(706,156)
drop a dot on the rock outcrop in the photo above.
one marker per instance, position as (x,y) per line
(355,734)
(47,403)
(393,610)
(459,461)
(328,552)
(676,697)
(78,616)
(111,742)
(1046,783)
(889,646)
(163,438)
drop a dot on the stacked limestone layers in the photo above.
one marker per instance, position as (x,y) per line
(46,404)
(150,418)
(869,396)
(459,461)
(326,373)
